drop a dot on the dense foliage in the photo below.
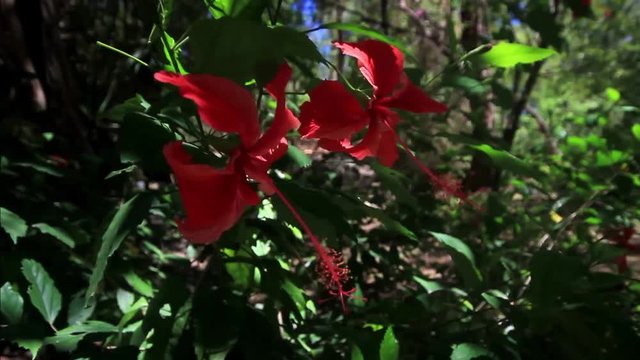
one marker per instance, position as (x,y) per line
(273,179)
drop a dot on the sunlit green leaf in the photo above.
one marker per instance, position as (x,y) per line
(389,347)
(468,351)
(509,54)
(13,224)
(613,94)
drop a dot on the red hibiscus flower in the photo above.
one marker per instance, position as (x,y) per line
(333,115)
(622,238)
(215,199)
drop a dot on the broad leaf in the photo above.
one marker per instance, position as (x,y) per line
(141,140)
(635,130)
(126,219)
(68,338)
(13,224)
(42,291)
(389,347)
(79,311)
(508,54)
(244,50)
(462,257)
(507,161)
(11,304)
(356,353)
(468,351)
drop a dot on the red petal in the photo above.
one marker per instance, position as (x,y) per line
(283,120)
(380,63)
(257,167)
(379,141)
(411,98)
(213,199)
(332,113)
(223,104)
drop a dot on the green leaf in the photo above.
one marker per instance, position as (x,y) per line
(242,273)
(465,83)
(131,105)
(143,287)
(462,257)
(141,141)
(79,311)
(11,304)
(397,183)
(68,338)
(613,94)
(609,158)
(429,285)
(125,300)
(370,33)
(13,224)
(509,54)
(507,161)
(300,158)
(635,130)
(389,347)
(42,291)
(356,353)
(126,219)
(57,233)
(243,50)
(468,351)
(119,172)
(552,275)
(243,9)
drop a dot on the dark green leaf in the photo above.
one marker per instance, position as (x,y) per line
(68,338)
(462,257)
(552,275)
(397,183)
(57,233)
(244,50)
(389,347)
(507,161)
(13,224)
(79,311)
(141,141)
(11,303)
(465,83)
(134,104)
(127,218)
(42,291)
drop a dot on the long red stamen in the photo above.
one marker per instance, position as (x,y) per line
(437,180)
(331,268)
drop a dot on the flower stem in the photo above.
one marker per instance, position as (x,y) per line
(336,274)
(436,179)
